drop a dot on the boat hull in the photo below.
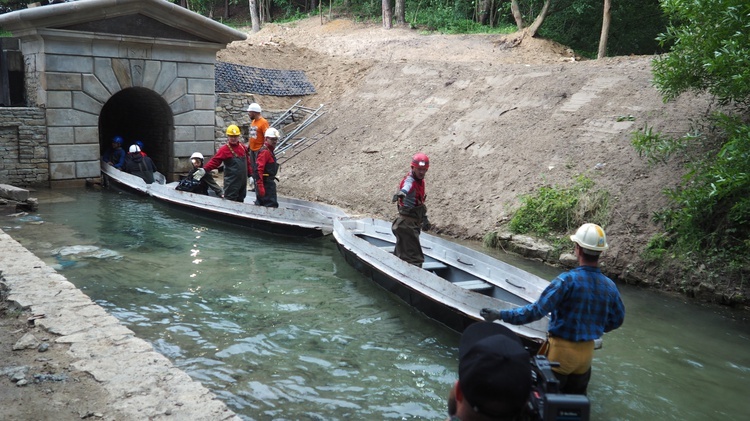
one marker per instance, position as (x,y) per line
(445,290)
(293,217)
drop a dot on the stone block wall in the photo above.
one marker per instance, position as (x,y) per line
(81,75)
(231,108)
(24,147)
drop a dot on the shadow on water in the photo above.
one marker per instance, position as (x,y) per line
(283,328)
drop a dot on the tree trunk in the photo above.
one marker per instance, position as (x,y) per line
(516,9)
(254,15)
(226,9)
(605,30)
(400,12)
(387,15)
(484,13)
(539,19)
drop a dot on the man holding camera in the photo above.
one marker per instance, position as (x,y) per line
(494,375)
(582,303)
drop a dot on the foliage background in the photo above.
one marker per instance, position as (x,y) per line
(575,23)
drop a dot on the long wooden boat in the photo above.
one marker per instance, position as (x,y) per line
(293,216)
(454,283)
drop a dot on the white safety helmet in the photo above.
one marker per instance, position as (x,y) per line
(197,155)
(272,132)
(134,149)
(590,237)
(254,107)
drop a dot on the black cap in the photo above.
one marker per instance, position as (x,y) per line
(494,370)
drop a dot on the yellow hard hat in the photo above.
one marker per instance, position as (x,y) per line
(233,130)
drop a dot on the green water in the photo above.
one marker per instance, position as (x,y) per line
(282,328)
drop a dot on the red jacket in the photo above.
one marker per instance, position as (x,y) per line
(225,153)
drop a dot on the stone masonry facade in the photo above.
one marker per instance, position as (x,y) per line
(97,68)
(23,144)
(81,76)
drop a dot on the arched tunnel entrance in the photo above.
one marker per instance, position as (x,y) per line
(139,114)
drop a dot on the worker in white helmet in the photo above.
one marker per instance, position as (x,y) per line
(202,180)
(582,303)
(266,168)
(257,136)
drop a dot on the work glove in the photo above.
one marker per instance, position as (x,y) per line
(489,314)
(199,173)
(426,225)
(398,195)
(261,190)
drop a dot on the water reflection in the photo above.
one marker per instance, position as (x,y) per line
(283,328)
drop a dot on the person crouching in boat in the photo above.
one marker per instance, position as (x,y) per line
(198,173)
(583,303)
(266,170)
(137,164)
(412,212)
(234,155)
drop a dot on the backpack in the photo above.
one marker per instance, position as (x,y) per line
(188,184)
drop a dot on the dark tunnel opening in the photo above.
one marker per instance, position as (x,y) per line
(139,114)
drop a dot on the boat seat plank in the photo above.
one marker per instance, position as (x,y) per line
(473,285)
(426,265)
(433,266)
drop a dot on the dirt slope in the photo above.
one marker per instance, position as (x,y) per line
(498,115)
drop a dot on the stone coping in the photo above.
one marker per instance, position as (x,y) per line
(140,381)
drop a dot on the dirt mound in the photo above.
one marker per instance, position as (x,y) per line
(500,115)
(335,55)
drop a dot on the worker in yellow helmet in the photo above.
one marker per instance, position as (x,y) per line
(236,159)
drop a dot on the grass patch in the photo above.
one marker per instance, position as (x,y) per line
(554,210)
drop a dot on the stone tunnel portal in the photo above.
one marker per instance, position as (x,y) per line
(139,114)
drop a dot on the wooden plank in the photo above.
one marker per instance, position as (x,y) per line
(433,266)
(473,285)
(388,249)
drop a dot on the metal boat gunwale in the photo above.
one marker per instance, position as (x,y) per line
(293,216)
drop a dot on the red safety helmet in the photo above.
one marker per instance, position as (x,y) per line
(420,160)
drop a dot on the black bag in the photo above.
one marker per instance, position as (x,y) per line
(188,184)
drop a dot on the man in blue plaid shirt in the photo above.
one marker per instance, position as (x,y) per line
(582,303)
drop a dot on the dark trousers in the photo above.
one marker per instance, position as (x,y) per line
(574,384)
(408,248)
(269,200)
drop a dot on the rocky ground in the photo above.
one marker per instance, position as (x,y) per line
(41,385)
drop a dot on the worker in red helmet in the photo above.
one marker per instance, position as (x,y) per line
(412,212)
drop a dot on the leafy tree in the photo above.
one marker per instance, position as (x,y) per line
(634,26)
(711,49)
(709,215)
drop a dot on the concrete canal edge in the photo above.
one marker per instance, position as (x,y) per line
(140,381)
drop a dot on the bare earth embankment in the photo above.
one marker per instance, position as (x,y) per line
(499,116)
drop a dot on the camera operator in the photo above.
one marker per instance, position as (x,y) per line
(494,376)
(583,304)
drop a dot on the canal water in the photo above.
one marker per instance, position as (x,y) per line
(283,329)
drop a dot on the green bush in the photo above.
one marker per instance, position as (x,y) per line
(707,223)
(556,210)
(711,208)
(711,49)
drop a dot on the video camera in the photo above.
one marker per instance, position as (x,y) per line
(546,403)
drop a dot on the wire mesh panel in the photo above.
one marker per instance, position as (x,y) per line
(235,78)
